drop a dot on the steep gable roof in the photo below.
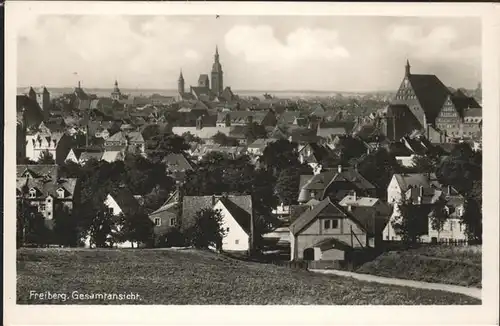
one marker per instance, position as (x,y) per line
(430,92)
(126,200)
(177,162)
(240,208)
(310,215)
(37,170)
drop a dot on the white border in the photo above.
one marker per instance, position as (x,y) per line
(487,313)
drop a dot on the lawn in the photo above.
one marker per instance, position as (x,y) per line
(439,264)
(197,277)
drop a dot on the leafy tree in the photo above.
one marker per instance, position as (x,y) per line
(165,143)
(280,155)
(473,220)
(134,227)
(224,140)
(410,224)
(207,230)
(255,131)
(25,160)
(460,169)
(190,138)
(31,227)
(151,131)
(101,227)
(65,229)
(378,168)
(46,158)
(439,216)
(287,186)
(424,164)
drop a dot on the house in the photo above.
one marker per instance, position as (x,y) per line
(56,143)
(329,130)
(237,216)
(166,217)
(313,154)
(45,191)
(243,118)
(427,200)
(35,171)
(177,165)
(232,151)
(202,132)
(135,142)
(329,232)
(119,201)
(336,183)
(237,219)
(259,145)
(82,155)
(400,183)
(111,156)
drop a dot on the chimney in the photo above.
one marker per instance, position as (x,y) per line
(421,194)
(349,208)
(339,168)
(449,190)
(199,123)
(213,200)
(354,195)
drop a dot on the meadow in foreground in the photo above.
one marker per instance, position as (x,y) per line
(198,277)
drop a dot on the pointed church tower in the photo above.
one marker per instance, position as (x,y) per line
(116,94)
(217,80)
(180,84)
(407,68)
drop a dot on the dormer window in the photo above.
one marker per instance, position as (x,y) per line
(60,193)
(32,193)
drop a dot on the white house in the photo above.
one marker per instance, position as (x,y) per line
(400,183)
(237,217)
(120,202)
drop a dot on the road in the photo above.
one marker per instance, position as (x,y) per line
(469,291)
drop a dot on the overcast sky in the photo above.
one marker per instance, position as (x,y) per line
(336,53)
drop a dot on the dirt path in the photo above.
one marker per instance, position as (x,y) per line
(471,292)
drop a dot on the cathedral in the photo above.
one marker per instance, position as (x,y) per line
(209,88)
(423,103)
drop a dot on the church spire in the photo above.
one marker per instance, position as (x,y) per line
(216,53)
(407,68)
(180,83)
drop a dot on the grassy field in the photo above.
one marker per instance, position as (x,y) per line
(195,277)
(439,264)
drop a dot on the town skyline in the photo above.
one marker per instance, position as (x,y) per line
(278,53)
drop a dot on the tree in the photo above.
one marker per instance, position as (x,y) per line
(65,229)
(207,231)
(255,131)
(190,138)
(378,168)
(46,158)
(134,227)
(165,143)
(424,164)
(101,227)
(31,228)
(224,140)
(280,155)
(411,223)
(287,186)
(473,220)
(439,216)
(460,169)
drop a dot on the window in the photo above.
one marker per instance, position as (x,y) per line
(60,193)
(49,213)
(227,229)
(157,221)
(111,211)
(41,208)
(335,224)
(32,193)
(327,224)
(49,200)
(172,221)
(236,241)
(451,225)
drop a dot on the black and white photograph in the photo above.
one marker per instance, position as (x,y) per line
(210,158)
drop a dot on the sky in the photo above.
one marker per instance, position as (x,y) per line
(320,53)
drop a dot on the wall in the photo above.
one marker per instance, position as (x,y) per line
(235,234)
(393,192)
(452,229)
(333,254)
